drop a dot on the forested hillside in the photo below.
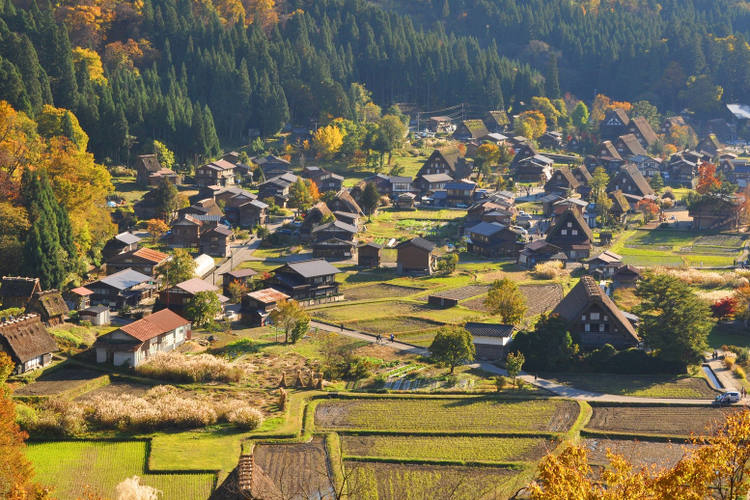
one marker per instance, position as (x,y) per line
(196,75)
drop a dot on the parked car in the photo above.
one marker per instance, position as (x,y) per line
(727,398)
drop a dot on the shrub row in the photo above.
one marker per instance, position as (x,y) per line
(182,368)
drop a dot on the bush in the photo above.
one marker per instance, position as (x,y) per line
(635,361)
(548,270)
(729,361)
(199,368)
(739,372)
(26,416)
(245,418)
(58,417)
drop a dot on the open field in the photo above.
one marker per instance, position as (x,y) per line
(539,299)
(645,386)
(647,420)
(464,448)
(401,224)
(116,388)
(299,470)
(478,414)
(639,453)
(72,466)
(390,481)
(672,248)
(465,292)
(58,381)
(378,291)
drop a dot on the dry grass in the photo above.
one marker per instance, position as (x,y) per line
(548,270)
(199,368)
(708,279)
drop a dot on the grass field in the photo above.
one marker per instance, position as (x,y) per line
(463,448)
(645,386)
(71,467)
(386,481)
(390,223)
(444,415)
(668,247)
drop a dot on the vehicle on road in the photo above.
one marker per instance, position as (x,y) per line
(727,398)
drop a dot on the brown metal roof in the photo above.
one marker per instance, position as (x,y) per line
(152,255)
(196,285)
(154,325)
(268,295)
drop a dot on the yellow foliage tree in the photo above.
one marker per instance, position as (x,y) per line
(531,124)
(59,122)
(93,63)
(488,154)
(327,141)
(717,467)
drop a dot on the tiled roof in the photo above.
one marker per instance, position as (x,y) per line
(489,329)
(313,268)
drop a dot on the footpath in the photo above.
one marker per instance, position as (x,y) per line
(552,386)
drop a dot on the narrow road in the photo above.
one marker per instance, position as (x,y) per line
(549,385)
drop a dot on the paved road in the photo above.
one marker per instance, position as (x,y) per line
(550,385)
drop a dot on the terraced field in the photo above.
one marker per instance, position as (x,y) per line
(72,467)
(645,420)
(298,470)
(639,453)
(378,291)
(447,415)
(460,448)
(539,299)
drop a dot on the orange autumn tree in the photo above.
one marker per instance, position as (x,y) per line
(16,472)
(707,180)
(717,467)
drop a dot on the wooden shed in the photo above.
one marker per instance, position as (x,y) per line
(369,254)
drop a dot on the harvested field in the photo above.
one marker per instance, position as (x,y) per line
(392,325)
(58,381)
(490,449)
(299,470)
(639,453)
(671,420)
(479,414)
(116,389)
(539,298)
(378,291)
(385,481)
(645,386)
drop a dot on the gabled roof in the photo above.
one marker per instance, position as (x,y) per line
(571,216)
(127,238)
(607,149)
(82,291)
(268,295)
(336,225)
(149,162)
(619,201)
(222,230)
(203,264)
(26,337)
(433,178)
(619,113)
(49,301)
(19,286)
(262,160)
(333,242)
(187,220)
(627,269)
(497,118)
(567,175)
(489,330)
(241,273)
(223,164)
(644,128)
(345,198)
(311,268)
(583,172)
(420,243)
(154,325)
(608,257)
(150,255)
(631,172)
(476,128)
(487,228)
(127,278)
(370,244)
(541,244)
(631,144)
(587,291)
(196,285)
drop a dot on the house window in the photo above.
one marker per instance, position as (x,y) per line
(564,232)
(594,316)
(587,327)
(583,317)
(574,232)
(570,224)
(601,327)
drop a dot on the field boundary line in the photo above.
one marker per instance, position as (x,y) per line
(656,404)
(555,436)
(488,396)
(632,436)
(519,465)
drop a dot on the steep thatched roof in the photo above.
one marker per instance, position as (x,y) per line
(48,303)
(26,338)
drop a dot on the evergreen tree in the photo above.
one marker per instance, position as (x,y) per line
(552,81)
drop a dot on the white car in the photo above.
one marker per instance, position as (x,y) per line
(727,398)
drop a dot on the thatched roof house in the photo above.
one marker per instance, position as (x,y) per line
(27,342)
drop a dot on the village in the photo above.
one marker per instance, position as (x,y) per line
(271,324)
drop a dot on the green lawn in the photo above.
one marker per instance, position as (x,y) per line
(459,448)
(667,247)
(728,334)
(645,386)
(72,466)
(478,414)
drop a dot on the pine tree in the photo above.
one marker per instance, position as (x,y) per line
(552,79)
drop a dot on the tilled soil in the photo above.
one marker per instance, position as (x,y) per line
(300,471)
(672,420)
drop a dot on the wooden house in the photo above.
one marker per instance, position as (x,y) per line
(306,280)
(534,169)
(217,241)
(333,249)
(17,291)
(593,318)
(614,124)
(717,212)
(643,131)
(186,232)
(647,165)
(324,180)
(710,145)
(50,306)
(122,243)
(27,342)
(207,206)
(627,145)
(277,189)
(96,315)
(369,255)
(78,298)
(492,239)
(272,166)
(144,260)
(137,342)
(177,297)
(490,211)
(490,339)
(496,121)
(127,287)
(334,229)
(551,140)
(251,214)
(470,130)
(737,171)
(562,182)
(446,161)
(348,218)
(149,172)
(439,124)
(344,202)
(630,180)
(241,276)
(257,306)
(415,256)
(317,215)
(217,173)
(430,183)
(620,205)
(460,193)
(406,201)
(605,264)
(572,234)
(539,251)
(626,276)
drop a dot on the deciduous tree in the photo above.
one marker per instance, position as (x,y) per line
(452,345)
(514,364)
(203,308)
(292,319)
(181,267)
(507,301)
